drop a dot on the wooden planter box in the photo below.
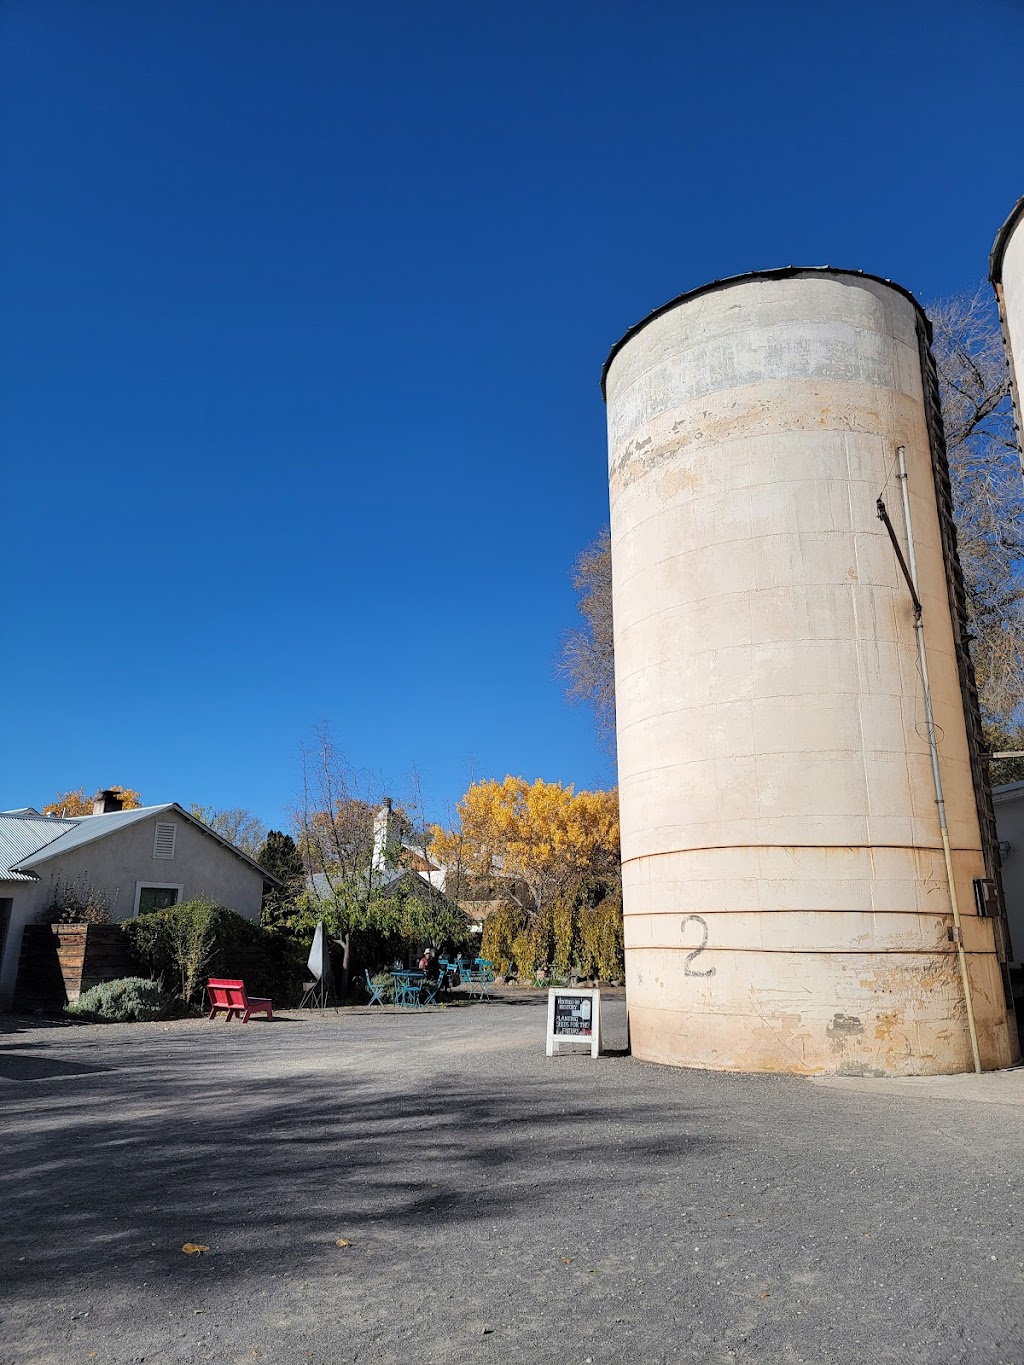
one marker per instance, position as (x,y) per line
(60,961)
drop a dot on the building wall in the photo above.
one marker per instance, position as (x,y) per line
(785,897)
(26,902)
(112,867)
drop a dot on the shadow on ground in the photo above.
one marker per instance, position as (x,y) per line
(190,1143)
(30,1066)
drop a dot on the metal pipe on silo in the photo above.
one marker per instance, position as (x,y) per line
(787,889)
(933,747)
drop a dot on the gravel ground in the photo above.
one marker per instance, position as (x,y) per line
(501,1206)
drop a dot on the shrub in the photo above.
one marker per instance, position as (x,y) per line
(132,999)
(187,943)
(75,902)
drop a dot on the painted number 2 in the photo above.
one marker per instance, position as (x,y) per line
(687,969)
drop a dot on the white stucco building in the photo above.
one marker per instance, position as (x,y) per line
(127,861)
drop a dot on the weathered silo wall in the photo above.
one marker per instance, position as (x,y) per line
(786,900)
(1006,271)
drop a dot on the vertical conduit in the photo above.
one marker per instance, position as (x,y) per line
(936,774)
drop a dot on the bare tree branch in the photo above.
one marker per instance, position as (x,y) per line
(988,493)
(587,659)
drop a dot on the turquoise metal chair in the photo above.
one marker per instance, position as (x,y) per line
(375,991)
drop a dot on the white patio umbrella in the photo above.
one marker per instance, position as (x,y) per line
(319,966)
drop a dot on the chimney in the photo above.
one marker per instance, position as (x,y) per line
(386,844)
(104,802)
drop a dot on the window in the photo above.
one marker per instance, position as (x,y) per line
(150,896)
(163,840)
(6,906)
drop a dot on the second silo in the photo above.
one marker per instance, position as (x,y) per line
(786,900)
(1006,271)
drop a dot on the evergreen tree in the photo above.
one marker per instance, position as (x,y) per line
(279,856)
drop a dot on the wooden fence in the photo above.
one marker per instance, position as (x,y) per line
(60,961)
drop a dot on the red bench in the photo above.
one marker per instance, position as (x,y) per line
(230,996)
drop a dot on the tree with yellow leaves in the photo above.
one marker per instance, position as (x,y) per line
(76,803)
(542,833)
(553,849)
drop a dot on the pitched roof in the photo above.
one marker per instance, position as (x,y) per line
(86,829)
(22,835)
(53,837)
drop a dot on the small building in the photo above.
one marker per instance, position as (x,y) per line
(121,862)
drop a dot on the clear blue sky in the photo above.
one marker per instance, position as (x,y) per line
(303,310)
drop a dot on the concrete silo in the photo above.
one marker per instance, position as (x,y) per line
(1006,271)
(787,899)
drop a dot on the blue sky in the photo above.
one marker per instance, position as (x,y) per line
(303,311)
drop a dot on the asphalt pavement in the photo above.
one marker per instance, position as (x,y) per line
(497,1205)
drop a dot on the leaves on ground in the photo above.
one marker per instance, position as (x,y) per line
(194,1248)
(343,1242)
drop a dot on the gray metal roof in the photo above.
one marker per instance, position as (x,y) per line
(23,835)
(73,833)
(88,828)
(320,883)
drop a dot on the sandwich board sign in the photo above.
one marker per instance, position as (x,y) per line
(574,1017)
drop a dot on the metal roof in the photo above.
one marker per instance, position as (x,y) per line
(88,828)
(788,272)
(23,835)
(995,260)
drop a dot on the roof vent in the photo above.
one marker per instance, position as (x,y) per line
(163,840)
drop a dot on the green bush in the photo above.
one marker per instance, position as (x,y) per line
(132,999)
(183,946)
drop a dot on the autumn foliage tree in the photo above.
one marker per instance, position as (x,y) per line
(75,803)
(559,846)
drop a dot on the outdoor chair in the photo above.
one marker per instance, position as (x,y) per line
(480,983)
(407,991)
(375,991)
(231,997)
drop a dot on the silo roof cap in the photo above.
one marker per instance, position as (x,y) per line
(787,272)
(995,260)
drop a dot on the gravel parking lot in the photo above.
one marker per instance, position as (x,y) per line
(500,1205)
